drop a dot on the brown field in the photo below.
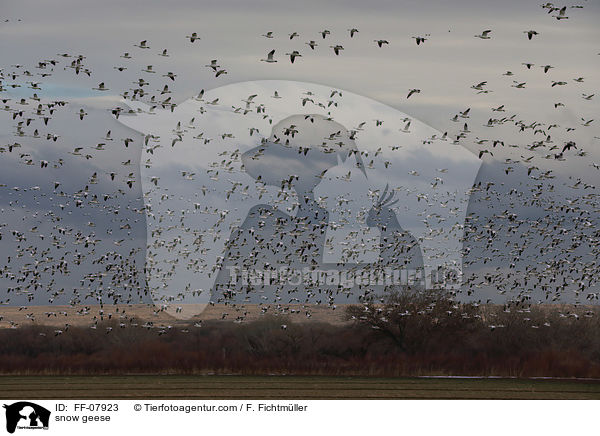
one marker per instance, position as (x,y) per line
(290,387)
(84,315)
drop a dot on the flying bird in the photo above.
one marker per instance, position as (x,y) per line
(293,55)
(269,58)
(568,146)
(193,37)
(420,39)
(312,44)
(142,44)
(484,35)
(337,49)
(413,91)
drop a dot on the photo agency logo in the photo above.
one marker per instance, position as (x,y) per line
(25,415)
(283,191)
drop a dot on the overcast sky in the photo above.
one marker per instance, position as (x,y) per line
(444,68)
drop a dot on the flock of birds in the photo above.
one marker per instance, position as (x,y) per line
(569,230)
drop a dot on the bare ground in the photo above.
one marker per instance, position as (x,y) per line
(85,315)
(290,387)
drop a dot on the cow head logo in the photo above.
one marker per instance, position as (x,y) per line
(25,414)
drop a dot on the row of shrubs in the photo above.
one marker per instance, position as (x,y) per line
(413,333)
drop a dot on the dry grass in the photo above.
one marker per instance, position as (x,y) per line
(289,387)
(84,315)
